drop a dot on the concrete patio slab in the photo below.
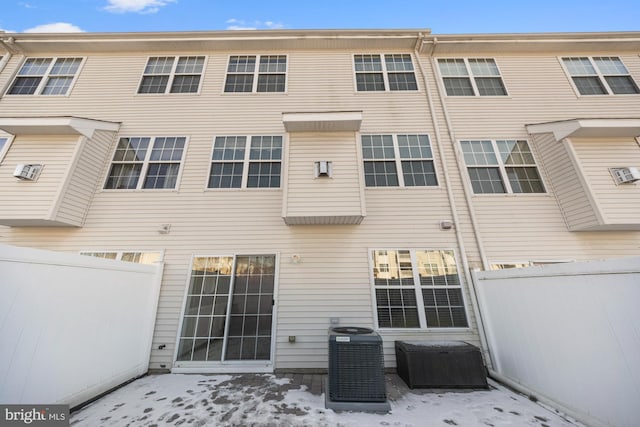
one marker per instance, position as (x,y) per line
(297,400)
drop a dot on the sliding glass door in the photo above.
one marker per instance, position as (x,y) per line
(228,309)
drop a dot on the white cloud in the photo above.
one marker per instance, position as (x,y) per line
(138,6)
(240,24)
(27,5)
(56,27)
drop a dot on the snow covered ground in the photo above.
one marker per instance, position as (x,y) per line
(267,400)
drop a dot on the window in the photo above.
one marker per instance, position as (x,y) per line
(385,155)
(235,166)
(45,76)
(394,73)
(135,257)
(269,76)
(600,76)
(228,309)
(158,160)
(418,289)
(471,77)
(502,166)
(5,141)
(170,74)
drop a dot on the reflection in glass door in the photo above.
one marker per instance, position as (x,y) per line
(216,327)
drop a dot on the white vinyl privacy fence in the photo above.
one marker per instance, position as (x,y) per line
(71,326)
(570,334)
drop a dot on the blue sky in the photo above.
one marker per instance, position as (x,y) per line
(441,16)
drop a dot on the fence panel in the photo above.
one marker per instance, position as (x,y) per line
(71,326)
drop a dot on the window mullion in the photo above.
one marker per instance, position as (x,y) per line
(601,76)
(415,269)
(232,284)
(385,74)
(256,75)
(45,77)
(396,155)
(172,75)
(145,164)
(502,167)
(245,168)
(472,78)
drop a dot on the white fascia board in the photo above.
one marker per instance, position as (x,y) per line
(55,126)
(332,121)
(589,128)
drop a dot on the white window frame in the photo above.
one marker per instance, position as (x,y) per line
(502,167)
(119,254)
(172,75)
(398,161)
(145,164)
(472,79)
(256,74)
(598,74)
(5,148)
(422,317)
(46,76)
(384,71)
(245,164)
(257,366)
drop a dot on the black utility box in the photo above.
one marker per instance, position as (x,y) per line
(442,364)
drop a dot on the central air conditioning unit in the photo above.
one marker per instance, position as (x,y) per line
(625,175)
(356,379)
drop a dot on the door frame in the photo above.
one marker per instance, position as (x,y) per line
(232,366)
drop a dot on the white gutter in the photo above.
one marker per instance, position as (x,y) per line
(452,203)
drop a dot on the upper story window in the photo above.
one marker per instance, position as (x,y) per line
(45,76)
(600,76)
(256,73)
(169,74)
(471,77)
(418,289)
(395,72)
(148,163)
(5,141)
(385,155)
(234,165)
(501,166)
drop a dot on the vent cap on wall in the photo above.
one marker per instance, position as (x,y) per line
(27,172)
(625,175)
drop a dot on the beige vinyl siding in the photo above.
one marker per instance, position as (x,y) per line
(532,227)
(572,197)
(539,91)
(619,204)
(322,197)
(332,279)
(34,200)
(84,177)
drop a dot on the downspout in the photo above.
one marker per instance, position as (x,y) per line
(450,196)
